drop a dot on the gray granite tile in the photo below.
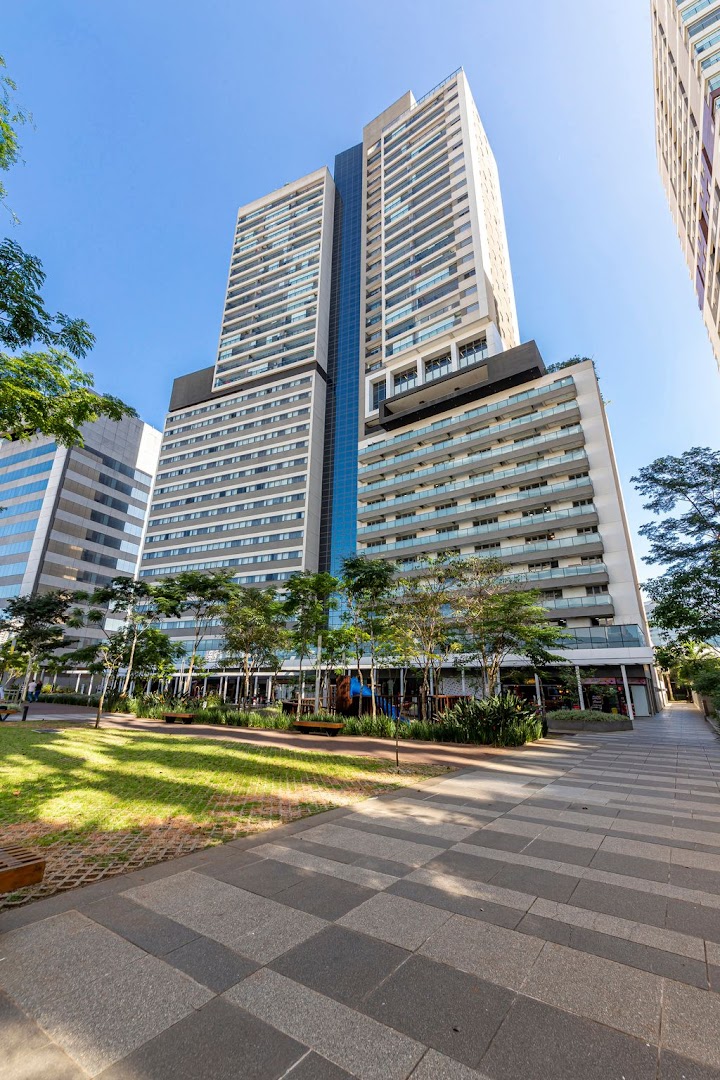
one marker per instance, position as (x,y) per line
(475,867)
(264,876)
(559,852)
(367,843)
(493,953)
(327,897)
(459,903)
(156,934)
(674,1067)
(99,1024)
(363,1047)
(27,1053)
(436,1066)
(696,878)
(537,1041)
(219,1040)
(210,963)
(451,1011)
(547,929)
(384,828)
(630,866)
(314,1067)
(597,989)
(502,841)
(625,903)
(634,954)
(371,879)
(341,963)
(693,919)
(396,920)
(530,879)
(691,1021)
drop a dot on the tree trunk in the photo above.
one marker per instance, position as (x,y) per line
(373,706)
(101,700)
(131,659)
(301,687)
(26,680)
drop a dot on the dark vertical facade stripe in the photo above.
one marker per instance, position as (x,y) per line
(338,529)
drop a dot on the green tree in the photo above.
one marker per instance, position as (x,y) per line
(134,602)
(687,595)
(308,600)
(254,632)
(43,391)
(104,657)
(37,624)
(497,618)
(368,587)
(423,636)
(155,653)
(202,593)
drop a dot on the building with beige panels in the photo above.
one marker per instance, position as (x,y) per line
(371,394)
(686,62)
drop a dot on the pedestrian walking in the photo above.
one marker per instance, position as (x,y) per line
(31,686)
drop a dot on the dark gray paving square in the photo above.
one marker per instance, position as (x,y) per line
(714,974)
(593,811)
(630,866)
(559,852)
(341,963)
(474,867)
(500,841)
(327,897)
(537,1041)
(401,834)
(548,804)
(472,906)
(529,879)
(674,1067)
(26,1053)
(156,934)
(453,1012)
(693,919)
(547,929)
(644,815)
(219,866)
(336,854)
(267,877)
(694,878)
(625,903)
(314,1067)
(210,963)
(382,866)
(633,954)
(220,1040)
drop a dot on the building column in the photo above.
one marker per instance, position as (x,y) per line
(579,686)
(628,699)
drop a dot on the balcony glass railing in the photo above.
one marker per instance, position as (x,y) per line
(545,464)
(472,459)
(521,550)
(483,530)
(469,414)
(480,504)
(540,416)
(601,600)
(625,636)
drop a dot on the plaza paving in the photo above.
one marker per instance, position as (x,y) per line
(551,913)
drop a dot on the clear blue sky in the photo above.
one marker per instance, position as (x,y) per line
(156,119)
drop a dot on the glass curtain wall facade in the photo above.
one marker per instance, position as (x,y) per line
(75,518)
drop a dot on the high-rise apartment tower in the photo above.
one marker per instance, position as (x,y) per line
(371,395)
(686,58)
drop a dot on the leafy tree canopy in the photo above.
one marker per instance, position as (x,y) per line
(686,540)
(43,391)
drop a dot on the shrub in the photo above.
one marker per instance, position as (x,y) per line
(567,716)
(69,698)
(499,720)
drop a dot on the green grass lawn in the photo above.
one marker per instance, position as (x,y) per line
(106,801)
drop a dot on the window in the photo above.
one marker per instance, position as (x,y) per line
(583,502)
(547,564)
(585,530)
(578,475)
(435,368)
(552,594)
(596,590)
(379,393)
(488,547)
(405,380)
(473,351)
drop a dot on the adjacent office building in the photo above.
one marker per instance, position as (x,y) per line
(371,394)
(75,518)
(686,57)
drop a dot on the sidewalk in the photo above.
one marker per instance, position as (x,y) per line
(551,914)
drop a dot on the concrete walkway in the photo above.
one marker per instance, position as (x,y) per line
(552,914)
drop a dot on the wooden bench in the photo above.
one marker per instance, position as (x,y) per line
(19,867)
(5,711)
(328,727)
(185,717)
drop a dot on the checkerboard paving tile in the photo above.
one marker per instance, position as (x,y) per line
(553,913)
